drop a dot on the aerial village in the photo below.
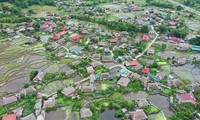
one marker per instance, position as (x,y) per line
(104,60)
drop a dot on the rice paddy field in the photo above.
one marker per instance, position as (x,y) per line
(17,61)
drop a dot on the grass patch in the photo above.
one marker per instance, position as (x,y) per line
(66,60)
(10,66)
(151,109)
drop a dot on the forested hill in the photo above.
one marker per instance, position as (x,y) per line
(26,3)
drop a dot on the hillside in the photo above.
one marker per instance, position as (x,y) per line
(26,3)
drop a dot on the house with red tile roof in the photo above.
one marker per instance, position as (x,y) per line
(75,37)
(9,117)
(134,63)
(145,70)
(56,37)
(54,26)
(176,39)
(117,34)
(30,24)
(64,28)
(145,37)
(177,19)
(186,98)
(172,23)
(112,40)
(44,26)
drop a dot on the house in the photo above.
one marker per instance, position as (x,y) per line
(44,26)
(145,37)
(85,112)
(174,82)
(10,31)
(96,56)
(160,75)
(112,40)
(176,39)
(107,58)
(64,28)
(186,98)
(90,69)
(51,102)
(172,23)
(95,64)
(28,90)
(70,72)
(153,86)
(193,87)
(39,77)
(124,33)
(144,80)
(56,37)
(29,117)
(138,67)
(102,44)
(123,40)
(137,115)
(68,91)
(134,63)
(181,61)
(135,75)
(145,70)
(9,100)
(18,111)
(123,81)
(117,34)
(9,117)
(87,89)
(150,51)
(85,32)
(104,76)
(141,102)
(122,72)
(75,37)
(183,46)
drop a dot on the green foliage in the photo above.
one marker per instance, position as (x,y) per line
(197,95)
(159,4)
(181,33)
(114,25)
(51,108)
(119,113)
(33,74)
(183,112)
(14,19)
(26,3)
(151,109)
(134,85)
(195,41)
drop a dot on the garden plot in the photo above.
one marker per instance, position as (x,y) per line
(135,95)
(54,68)
(14,85)
(52,87)
(167,54)
(193,24)
(158,116)
(183,73)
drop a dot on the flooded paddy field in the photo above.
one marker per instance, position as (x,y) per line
(17,60)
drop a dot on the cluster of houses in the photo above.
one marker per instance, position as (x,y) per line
(108,41)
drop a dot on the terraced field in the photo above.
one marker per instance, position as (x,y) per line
(17,61)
